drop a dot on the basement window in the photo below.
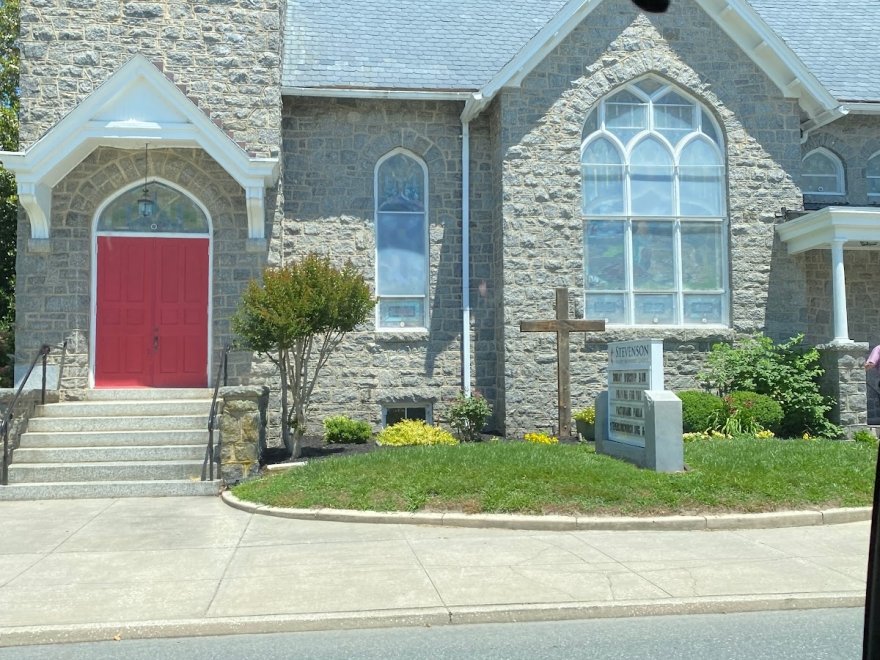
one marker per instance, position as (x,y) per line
(394,413)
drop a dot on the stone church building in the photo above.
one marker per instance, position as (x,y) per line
(695,177)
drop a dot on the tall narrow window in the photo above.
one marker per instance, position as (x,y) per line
(873,175)
(655,223)
(401,242)
(823,173)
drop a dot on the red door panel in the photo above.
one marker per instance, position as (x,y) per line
(152,312)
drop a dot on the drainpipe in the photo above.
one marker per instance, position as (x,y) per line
(465,257)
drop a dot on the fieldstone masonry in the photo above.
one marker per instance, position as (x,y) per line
(844,381)
(242,431)
(526,223)
(541,131)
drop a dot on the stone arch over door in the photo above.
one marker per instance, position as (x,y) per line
(151,288)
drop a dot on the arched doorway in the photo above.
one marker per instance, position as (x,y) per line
(150,293)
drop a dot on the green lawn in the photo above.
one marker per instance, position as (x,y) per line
(505,477)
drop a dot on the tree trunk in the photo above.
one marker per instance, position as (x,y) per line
(285,405)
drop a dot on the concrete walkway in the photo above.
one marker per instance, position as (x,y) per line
(75,570)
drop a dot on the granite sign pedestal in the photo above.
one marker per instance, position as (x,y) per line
(636,419)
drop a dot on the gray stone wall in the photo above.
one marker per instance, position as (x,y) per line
(331,147)
(224,53)
(485,292)
(844,381)
(53,290)
(542,124)
(854,139)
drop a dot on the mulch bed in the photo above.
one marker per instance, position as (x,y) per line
(314,448)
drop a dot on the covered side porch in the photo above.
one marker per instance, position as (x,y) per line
(836,230)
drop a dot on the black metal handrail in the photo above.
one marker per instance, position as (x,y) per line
(7,418)
(221,371)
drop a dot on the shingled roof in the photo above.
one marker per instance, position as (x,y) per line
(459,45)
(838,40)
(451,45)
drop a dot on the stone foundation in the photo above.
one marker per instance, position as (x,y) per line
(844,381)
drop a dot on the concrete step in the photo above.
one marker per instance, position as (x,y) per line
(124,408)
(162,394)
(113,439)
(103,489)
(112,454)
(96,424)
(28,473)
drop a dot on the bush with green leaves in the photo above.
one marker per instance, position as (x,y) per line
(864,435)
(754,412)
(409,432)
(468,415)
(788,373)
(699,410)
(340,429)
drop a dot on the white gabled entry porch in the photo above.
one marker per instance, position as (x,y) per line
(840,228)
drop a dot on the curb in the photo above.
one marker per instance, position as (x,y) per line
(433,616)
(565,523)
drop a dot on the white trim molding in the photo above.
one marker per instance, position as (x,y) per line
(378,93)
(741,23)
(858,227)
(137,105)
(836,229)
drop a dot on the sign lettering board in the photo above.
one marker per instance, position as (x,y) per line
(633,367)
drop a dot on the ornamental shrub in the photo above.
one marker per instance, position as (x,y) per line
(468,416)
(756,412)
(587,415)
(340,429)
(787,372)
(864,435)
(409,432)
(699,410)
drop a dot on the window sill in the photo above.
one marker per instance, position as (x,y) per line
(671,332)
(401,336)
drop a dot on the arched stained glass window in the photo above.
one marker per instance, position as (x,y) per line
(873,175)
(401,242)
(172,212)
(655,225)
(823,173)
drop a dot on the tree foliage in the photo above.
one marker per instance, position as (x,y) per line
(788,373)
(296,317)
(9,76)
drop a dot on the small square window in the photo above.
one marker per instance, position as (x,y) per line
(395,413)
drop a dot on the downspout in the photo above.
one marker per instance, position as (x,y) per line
(465,256)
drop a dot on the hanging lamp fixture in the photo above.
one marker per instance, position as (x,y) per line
(145,203)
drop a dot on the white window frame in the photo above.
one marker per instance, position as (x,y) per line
(839,178)
(627,217)
(874,197)
(376,202)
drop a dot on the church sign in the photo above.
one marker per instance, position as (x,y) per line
(633,368)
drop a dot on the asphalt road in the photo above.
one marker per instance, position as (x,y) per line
(797,635)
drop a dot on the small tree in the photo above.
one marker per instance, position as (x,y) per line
(297,317)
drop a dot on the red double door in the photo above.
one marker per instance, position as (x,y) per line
(152,312)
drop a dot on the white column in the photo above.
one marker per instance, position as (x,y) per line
(838,293)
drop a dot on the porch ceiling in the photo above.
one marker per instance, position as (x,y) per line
(856,227)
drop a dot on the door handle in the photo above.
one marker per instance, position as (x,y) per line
(155,342)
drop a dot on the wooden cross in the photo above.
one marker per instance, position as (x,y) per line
(562,325)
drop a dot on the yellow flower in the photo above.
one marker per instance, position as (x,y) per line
(541,438)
